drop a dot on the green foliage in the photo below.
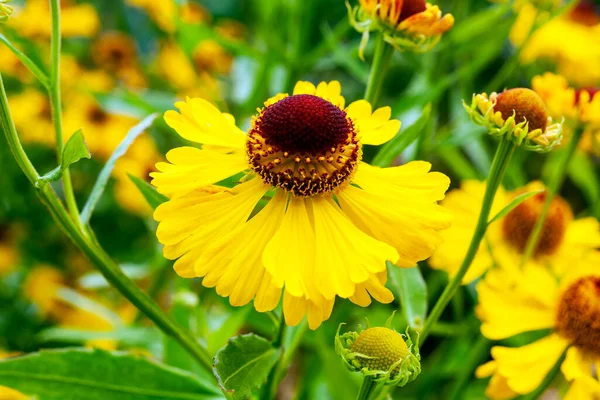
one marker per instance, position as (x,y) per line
(408,284)
(77,374)
(514,204)
(153,198)
(75,149)
(244,364)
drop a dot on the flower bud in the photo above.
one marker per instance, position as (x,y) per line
(381,353)
(518,115)
(5,10)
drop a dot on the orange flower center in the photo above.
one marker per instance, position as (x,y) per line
(578,315)
(303,144)
(526,105)
(518,224)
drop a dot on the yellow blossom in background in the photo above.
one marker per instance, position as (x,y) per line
(12,66)
(9,253)
(571,41)
(115,52)
(210,56)
(580,107)
(318,236)
(41,287)
(88,80)
(563,239)
(33,20)
(33,117)
(163,12)
(230,29)
(532,299)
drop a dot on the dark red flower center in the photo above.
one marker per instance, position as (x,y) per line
(304,124)
(411,7)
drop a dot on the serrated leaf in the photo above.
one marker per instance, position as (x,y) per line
(513,204)
(410,287)
(104,175)
(75,149)
(153,198)
(244,364)
(76,374)
(392,149)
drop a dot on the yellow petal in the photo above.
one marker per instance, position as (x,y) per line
(267,296)
(576,365)
(497,388)
(525,367)
(409,225)
(294,309)
(193,168)
(375,287)
(584,389)
(233,263)
(345,255)
(201,122)
(329,91)
(289,256)
(374,128)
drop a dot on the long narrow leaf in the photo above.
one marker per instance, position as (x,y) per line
(513,204)
(408,285)
(104,176)
(28,62)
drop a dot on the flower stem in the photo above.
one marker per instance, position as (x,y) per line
(499,164)
(381,60)
(55,105)
(554,185)
(91,249)
(366,389)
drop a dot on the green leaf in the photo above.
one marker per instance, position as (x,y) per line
(409,285)
(583,173)
(153,198)
(244,364)
(28,62)
(74,150)
(76,374)
(513,204)
(400,142)
(144,337)
(104,176)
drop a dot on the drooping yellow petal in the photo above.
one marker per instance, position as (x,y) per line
(586,388)
(188,223)
(295,308)
(191,168)
(268,295)
(329,91)
(345,255)
(576,365)
(373,128)
(497,388)
(289,257)
(525,367)
(233,263)
(410,225)
(201,122)
(374,287)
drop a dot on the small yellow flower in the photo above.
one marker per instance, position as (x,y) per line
(580,107)
(532,299)
(32,115)
(564,240)
(41,287)
(210,56)
(518,115)
(162,12)
(571,41)
(330,220)
(381,353)
(115,52)
(76,20)
(412,25)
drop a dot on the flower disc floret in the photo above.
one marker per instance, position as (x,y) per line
(518,115)
(380,353)
(303,144)
(578,314)
(518,224)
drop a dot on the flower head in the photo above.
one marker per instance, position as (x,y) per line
(412,25)
(518,115)
(380,353)
(513,302)
(306,216)
(563,239)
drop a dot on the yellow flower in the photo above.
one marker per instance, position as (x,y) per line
(532,299)
(210,56)
(12,66)
(407,25)
(318,236)
(163,12)
(34,19)
(563,239)
(572,41)
(41,287)
(32,115)
(580,107)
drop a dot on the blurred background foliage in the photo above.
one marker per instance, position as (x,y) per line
(124,59)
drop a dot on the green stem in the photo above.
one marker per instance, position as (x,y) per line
(548,379)
(275,376)
(477,354)
(366,389)
(90,249)
(553,186)
(381,60)
(497,170)
(55,104)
